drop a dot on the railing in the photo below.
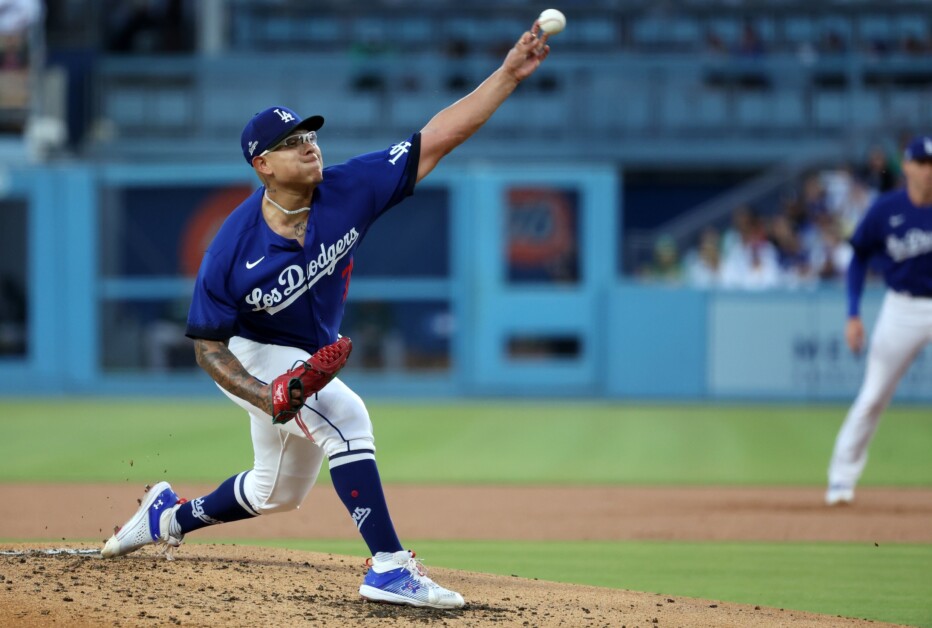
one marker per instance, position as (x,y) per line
(605,336)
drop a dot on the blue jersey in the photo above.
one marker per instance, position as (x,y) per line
(264,287)
(897,236)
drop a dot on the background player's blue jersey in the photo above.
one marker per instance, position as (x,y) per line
(898,236)
(265,287)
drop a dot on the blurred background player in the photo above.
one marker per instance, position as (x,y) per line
(271,291)
(896,233)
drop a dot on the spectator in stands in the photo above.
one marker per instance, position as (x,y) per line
(665,264)
(791,255)
(903,139)
(750,44)
(878,47)
(878,173)
(16,16)
(913,45)
(793,236)
(735,233)
(814,196)
(831,257)
(702,266)
(848,198)
(803,222)
(150,26)
(752,264)
(714,46)
(832,43)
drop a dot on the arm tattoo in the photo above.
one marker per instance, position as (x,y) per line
(224,368)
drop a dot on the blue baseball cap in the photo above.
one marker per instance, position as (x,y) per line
(919,149)
(270,126)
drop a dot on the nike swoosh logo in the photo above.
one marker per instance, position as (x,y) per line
(251,265)
(896,221)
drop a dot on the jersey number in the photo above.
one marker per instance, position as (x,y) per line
(347,272)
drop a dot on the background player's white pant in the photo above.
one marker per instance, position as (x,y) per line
(903,328)
(288,457)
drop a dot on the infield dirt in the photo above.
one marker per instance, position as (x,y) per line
(223,585)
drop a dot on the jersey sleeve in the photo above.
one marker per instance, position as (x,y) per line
(213,312)
(868,236)
(857,272)
(390,174)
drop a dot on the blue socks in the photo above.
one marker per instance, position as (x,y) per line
(227,503)
(356,479)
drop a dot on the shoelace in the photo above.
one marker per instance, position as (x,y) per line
(167,548)
(416,567)
(413,566)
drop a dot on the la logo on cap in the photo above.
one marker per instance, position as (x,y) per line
(284,115)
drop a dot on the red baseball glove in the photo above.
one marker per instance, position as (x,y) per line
(306,378)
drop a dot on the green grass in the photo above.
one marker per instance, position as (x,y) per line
(469,442)
(890,583)
(489,442)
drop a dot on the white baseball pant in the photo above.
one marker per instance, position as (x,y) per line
(903,328)
(288,457)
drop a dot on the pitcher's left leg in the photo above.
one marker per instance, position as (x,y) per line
(346,436)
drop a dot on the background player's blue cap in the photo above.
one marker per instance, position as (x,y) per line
(919,149)
(270,126)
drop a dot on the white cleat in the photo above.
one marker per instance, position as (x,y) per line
(149,525)
(838,495)
(401,579)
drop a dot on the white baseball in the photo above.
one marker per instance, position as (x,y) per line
(552,21)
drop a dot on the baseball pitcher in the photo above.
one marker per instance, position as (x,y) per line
(265,320)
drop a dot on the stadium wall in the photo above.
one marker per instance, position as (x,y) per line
(486,316)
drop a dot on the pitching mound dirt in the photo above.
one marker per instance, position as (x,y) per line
(80,512)
(216,585)
(230,586)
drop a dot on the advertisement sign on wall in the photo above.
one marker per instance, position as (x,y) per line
(774,346)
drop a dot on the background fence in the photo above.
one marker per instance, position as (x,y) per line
(488,281)
(564,250)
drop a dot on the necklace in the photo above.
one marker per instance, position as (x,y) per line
(290,212)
